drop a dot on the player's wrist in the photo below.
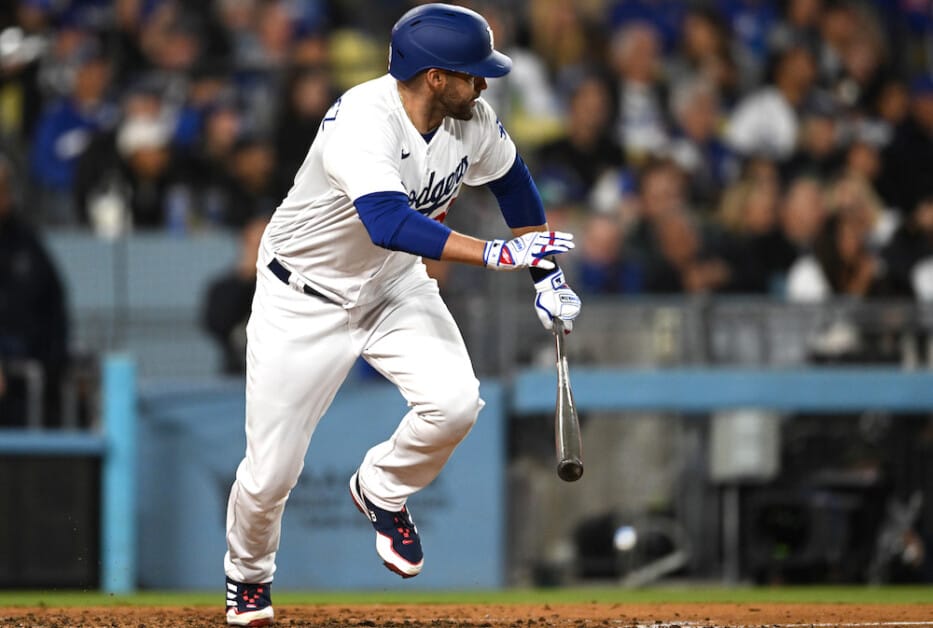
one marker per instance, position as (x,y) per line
(491,251)
(547,279)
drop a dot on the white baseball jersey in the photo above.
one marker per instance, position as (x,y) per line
(366,144)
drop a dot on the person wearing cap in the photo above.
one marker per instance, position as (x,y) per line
(340,276)
(766,122)
(130,180)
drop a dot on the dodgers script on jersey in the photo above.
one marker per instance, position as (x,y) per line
(365,144)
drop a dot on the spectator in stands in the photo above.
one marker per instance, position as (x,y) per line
(144,146)
(749,207)
(876,125)
(641,125)
(751,23)
(759,168)
(33,319)
(98,182)
(253,187)
(819,149)
(271,36)
(602,266)
(838,29)
(308,93)
(559,36)
(748,216)
(172,40)
(683,262)
(662,189)
(864,63)
(207,163)
(124,40)
(854,193)
(69,39)
(704,54)
(841,264)
(909,255)
(26,40)
(567,168)
(767,228)
(799,24)
(228,301)
(138,187)
(664,16)
(863,159)
(696,145)
(311,48)
(766,122)
(263,61)
(893,104)
(905,170)
(207,85)
(224,122)
(64,130)
(801,216)
(236,18)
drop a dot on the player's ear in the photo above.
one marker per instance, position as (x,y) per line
(435,78)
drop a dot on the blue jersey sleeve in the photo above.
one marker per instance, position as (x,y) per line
(518,197)
(393,224)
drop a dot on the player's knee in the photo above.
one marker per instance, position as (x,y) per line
(267,491)
(460,407)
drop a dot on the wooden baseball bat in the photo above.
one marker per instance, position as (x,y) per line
(566,423)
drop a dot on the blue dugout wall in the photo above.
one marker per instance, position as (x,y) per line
(191,439)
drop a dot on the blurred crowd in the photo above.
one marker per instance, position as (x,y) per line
(695,146)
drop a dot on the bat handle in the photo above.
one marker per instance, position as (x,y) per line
(558,327)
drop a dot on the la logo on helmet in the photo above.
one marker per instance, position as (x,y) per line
(492,44)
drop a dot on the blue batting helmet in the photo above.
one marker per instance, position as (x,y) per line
(446,37)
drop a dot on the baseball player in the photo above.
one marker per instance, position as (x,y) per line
(340,276)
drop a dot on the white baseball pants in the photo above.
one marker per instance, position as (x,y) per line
(299,352)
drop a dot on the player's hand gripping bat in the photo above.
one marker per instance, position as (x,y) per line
(566,423)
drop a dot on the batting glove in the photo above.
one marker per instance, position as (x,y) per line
(555,299)
(527,250)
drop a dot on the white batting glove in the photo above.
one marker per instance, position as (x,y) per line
(555,299)
(528,250)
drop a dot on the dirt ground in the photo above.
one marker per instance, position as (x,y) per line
(512,615)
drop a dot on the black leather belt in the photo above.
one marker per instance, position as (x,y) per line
(284,274)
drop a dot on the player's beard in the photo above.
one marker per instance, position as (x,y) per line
(455,106)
